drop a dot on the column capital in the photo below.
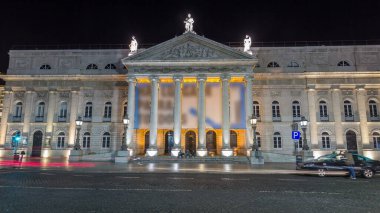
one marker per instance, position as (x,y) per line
(154,78)
(335,87)
(177,77)
(225,77)
(131,79)
(360,88)
(201,77)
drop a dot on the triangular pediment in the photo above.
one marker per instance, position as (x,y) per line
(188,47)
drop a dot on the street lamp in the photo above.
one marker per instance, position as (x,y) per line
(78,123)
(124,146)
(253,122)
(303,124)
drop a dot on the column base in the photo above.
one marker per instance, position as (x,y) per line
(151,152)
(175,152)
(202,152)
(76,155)
(257,157)
(307,155)
(227,152)
(122,156)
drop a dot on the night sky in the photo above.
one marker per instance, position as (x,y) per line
(41,22)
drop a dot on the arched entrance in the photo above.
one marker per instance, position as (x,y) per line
(233,139)
(352,145)
(37,144)
(169,142)
(146,141)
(190,141)
(211,142)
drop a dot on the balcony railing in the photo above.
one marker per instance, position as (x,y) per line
(296,118)
(62,118)
(87,119)
(324,118)
(374,118)
(39,119)
(349,118)
(16,119)
(106,119)
(276,119)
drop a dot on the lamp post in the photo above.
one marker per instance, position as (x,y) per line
(253,122)
(79,123)
(124,146)
(303,124)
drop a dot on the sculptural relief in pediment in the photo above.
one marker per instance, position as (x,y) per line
(189,51)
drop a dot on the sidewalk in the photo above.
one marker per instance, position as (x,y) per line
(137,166)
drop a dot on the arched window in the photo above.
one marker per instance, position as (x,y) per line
(106,140)
(343,64)
(376,140)
(293,64)
(323,114)
(276,110)
(107,110)
(326,140)
(296,108)
(45,67)
(18,110)
(92,67)
(110,67)
(61,140)
(256,109)
(348,110)
(88,110)
(258,139)
(373,113)
(125,109)
(233,139)
(86,140)
(277,140)
(273,64)
(63,110)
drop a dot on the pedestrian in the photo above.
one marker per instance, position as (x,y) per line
(350,163)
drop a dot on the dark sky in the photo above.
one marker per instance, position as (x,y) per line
(113,22)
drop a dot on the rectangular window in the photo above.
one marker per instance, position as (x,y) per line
(277,142)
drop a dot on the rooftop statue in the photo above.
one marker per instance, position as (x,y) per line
(133,46)
(189,21)
(247,44)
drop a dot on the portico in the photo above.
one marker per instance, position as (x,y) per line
(189,58)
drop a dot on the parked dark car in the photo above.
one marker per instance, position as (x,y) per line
(364,166)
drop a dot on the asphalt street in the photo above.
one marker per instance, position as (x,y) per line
(61,191)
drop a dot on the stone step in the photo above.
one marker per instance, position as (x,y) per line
(239,159)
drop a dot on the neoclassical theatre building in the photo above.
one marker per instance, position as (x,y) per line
(194,93)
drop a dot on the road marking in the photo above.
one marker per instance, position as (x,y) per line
(46,173)
(228,179)
(291,180)
(353,181)
(95,189)
(127,177)
(301,192)
(179,178)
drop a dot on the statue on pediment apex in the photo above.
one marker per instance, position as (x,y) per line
(189,21)
(133,46)
(247,44)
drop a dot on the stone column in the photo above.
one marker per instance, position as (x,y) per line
(7,108)
(226,150)
(177,115)
(131,110)
(28,106)
(152,151)
(313,118)
(201,149)
(73,116)
(249,112)
(361,100)
(337,99)
(50,118)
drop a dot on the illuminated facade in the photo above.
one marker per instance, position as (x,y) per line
(192,93)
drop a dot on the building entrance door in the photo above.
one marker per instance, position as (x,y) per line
(211,142)
(352,145)
(190,141)
(37,144)
(169,142)
(146,141)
